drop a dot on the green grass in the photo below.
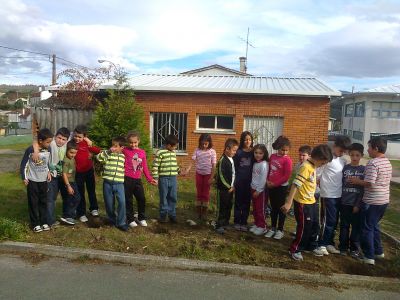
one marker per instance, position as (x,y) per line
(15,142)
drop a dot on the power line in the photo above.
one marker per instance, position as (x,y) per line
(22,57)
(27,51)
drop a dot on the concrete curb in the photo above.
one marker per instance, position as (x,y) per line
(281,275)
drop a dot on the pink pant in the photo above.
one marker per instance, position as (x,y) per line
(203,189)
(259,209)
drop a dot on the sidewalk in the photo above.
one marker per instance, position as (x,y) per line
(169,263)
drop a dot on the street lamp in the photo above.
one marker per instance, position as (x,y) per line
(105,60)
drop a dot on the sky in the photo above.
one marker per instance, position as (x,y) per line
(347,44)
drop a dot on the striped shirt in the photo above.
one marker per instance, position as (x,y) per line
(165,164)
(378,172)
(205,160)
(114,165)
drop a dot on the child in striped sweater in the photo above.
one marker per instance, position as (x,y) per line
(113,182)
(165,170)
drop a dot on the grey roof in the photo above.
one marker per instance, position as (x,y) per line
(230,84)
(385,89)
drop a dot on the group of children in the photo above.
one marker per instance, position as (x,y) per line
(351,195)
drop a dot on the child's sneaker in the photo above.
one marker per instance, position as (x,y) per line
(237,227)
(37,229)
(343,252)
(297,256)
(133,224)
(323,250)
(220,230)
(355,254)
(380,256)
(278,235)
(331,249)
(45,227)
(317,252)
(259,231)
(270,233)
(95,213)
(68,221)
(252,227)
(244,228)
(143,223)
(368,261)
(83,219)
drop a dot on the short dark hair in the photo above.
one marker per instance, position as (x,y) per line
(342,141)
(44,134)
(379,143)
(243,137)
(280,142)
(231,142)
(322,152)
(120,140)
(205,137)
(132,134)
(63,131)
(72,145)
(305,149)
(263,149)
(171,140)
(357,147)
(81,129)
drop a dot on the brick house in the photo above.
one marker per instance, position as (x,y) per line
(226,105)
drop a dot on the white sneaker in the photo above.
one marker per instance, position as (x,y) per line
(270,233)
(83,219)
(278,235)
(95,213)
(37,229)
(45,227)
(190,222)
(297,256)
(132,224)
(317,252)
(143,223)
(331,249)
(368,261)
(259,231)
(380,256)
(323,250)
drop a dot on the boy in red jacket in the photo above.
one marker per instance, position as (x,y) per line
(85,173)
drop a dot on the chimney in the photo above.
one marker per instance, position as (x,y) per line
(243,64)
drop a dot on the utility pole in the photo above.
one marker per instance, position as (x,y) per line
(54,76)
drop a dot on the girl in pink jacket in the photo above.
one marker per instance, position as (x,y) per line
(280,169)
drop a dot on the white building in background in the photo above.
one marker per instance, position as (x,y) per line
(373,112)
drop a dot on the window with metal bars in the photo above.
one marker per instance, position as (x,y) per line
(163,124)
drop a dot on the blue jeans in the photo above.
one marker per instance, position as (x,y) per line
(71,202)
(330,212)
(168,191)
(56,184)
(112,190)
(371,244)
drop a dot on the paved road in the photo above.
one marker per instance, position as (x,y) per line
(61,279)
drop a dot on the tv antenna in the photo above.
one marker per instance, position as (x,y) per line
(247,42)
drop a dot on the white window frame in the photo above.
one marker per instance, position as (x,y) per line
(215,129)
(357,111)
(346,108)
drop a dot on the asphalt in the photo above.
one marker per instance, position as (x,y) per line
(169,263)
(57,278)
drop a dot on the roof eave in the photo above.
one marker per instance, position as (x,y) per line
(229,91)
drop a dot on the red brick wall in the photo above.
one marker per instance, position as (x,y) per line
(305,119)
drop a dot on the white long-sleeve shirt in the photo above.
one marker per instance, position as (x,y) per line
(331,178)
(259,176)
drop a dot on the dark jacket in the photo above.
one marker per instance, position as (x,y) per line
(224,173)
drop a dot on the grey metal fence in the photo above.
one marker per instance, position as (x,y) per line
(61,117)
